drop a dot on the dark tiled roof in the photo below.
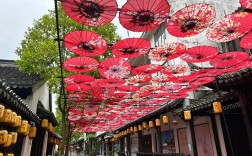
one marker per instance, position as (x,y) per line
(14,78)
(14,102)
(45,114)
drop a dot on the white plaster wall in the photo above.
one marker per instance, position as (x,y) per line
(26,146)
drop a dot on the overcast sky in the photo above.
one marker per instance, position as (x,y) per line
(17,15)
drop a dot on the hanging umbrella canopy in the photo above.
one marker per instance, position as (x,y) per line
(167,52)
(101,93)
(77,88)
(191,20)
(85,43)
(150,88)
(174,96)
(75,111)
(187,89)
(108,83)
(229,59)
(202,81)
(230,27)
(246,4)
(72,96)
(91,108)
(114,68)
(171,87)
(246,42)
(147,69)
(162,78)
(139,79)
(245,64)
(74,118)
(143,15)
(128,88)
(175,69)
(78,79)
(199,54)
(90,12)
(131,47)
(80,64)
(207,73)
(183,79)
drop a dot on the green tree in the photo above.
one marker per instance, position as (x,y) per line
(39,54)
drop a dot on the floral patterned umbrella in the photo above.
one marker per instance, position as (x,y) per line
(147,69)
(131,47)
(77,88)
(85,43)
(229,59)
(143,15)
(198,54)
(76,95)
(150,88)
(139,79)
(107,83)
(80,64)
(128,88)
(91,108)
(191,20)
(230,27)
(175,69)
(171,87)
(78,79)
(75,111)
(246,42)
(90,12)
(246,4)
(167,52)
(73,118)
(162,78)
(114,68)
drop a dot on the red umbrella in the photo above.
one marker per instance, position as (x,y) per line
(175,69)
(202,81)
(246,4)
(73,118)
(131,47)
(77,95)
(199,54)
(229,59)
(139,79)
(245,64)
(230,27)
(77,88)
(150,88)
(191,20)
(107,83)
(114,68)
(75,111)
(91,108)
(162,78)
(230,70)
(167,52)
(183,79)
(90,12)
(190,88)
(102,93)
(143,15)
(85,43)
(80,64)
(128,88)
(141,95)
(171,87)
(246,41)
(147,69)
(78,79)
(207,72)
(175,96)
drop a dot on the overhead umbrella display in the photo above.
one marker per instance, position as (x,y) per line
(131,47)
(246,4)
(175,69)
(128,88)
(187,89)
(143,15)
(85,43)
(78,79)
(101,93)
(229,59)
(167,52)
(90,12)
(230,27)
(175,96)
(114,68)
(77,88)
(139,79)
(198,54)
(171,87)
(80,64)
(91,108)
(246,42)
(77,95)
(107,83)
(162,78)
(207,72)
(150,88)
(202,81)
(73,118)
(183,79)
(147,69)
(75,111)
(245,64)
(191,20)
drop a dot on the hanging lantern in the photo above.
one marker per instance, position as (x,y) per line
(144,125)
(128,130)
(217,107)
(187,115)
(139,127)
(14,137)
(135,129)
(44,123)
(23,128)
(6,116)
(1,154)
(13,117)
(10,155)
(18,121)
(157,122)
(49,128)
(125,132)
(151,124)
(165,119)
(28,130)
(2,108)
(32,132)
(53,129)
(131,129)
(9,139)
(3,136)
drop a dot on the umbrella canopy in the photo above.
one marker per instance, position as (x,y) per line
(162,78)
(131,47)
(143,15)
(183,79)
(80,64)
(147,69)
(191,20)
(207,73)
(139,79)
(229,59)
(202,81)
(77,88)
(111,83)
(190,88)
(230,27)
(245,64)
(128,88)
(175,69)
(91,108)
(199,54)
(85,43)
(246,42)
(167,52)
(114,68)
(246,4)
(90,12)
(78,79)
(171,87)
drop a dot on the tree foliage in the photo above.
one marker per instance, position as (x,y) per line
(39,54)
